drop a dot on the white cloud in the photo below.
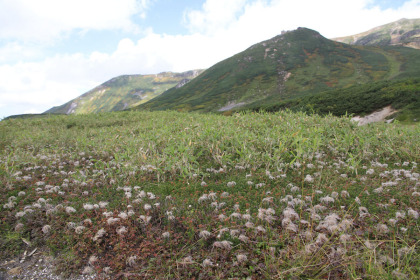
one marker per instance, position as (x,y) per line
(215,15)
(218,30)
(331,17)
(45,20)
(14,51)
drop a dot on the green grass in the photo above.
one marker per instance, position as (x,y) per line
(171,173)
(402,95)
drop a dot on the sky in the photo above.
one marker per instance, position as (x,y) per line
(52,51)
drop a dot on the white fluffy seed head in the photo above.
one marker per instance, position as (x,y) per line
(404,251)
(207,263)
(327,199)
(145,219)
(93,259)
(400,214)
(204,234)
(88,206)
(79,229)
(321,238)
(112,220)
(131,261)
(382,228)
(121,230)
(46,229)
(19,227)
(103,204)
(249,225)
(241,258)
(123,215)
(70,209)
(308,235)
(345,194)
(88,270)
(243,238)
(99,234)
(413,214)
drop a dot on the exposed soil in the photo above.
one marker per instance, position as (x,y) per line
(38,266)
(231,105)
(376,116)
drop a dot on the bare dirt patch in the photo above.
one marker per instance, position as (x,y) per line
(376,116)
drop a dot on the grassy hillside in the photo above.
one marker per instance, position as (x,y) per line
(404,32)
(27,116)
(403,95)
(123,92)
(167,195)
(294,64)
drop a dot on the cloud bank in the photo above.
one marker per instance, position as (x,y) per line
(216,31)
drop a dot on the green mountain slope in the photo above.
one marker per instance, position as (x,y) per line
(294,64)
(404,32)
(403,95)
(124,92)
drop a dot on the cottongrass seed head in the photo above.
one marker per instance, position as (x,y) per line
(79,229)
(131,261)
(70,210)
(204,234)
(207,263)
(19,227)
(99,234)
(227,245)
(88,270)
(241,258)
(413,214)
(382,228)
(46,229)
(121,230)
(93,259)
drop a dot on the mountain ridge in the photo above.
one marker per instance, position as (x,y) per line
(293,64)
(403,32)
(123,92)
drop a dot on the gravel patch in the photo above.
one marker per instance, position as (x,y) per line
(375,116)
(36,267)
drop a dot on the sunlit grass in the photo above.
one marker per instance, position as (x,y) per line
(174,195)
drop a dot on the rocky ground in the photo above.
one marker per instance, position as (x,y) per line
(35,267)
(377,116)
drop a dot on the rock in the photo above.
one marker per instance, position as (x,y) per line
(15,271)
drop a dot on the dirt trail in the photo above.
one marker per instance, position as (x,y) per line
(376,116)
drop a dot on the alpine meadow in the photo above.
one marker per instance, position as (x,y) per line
(254,169)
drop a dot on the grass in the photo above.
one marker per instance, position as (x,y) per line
(364,99)
(168,195)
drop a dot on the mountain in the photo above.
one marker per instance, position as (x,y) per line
(403,95)
(404,32)
(124,92)
(293,64)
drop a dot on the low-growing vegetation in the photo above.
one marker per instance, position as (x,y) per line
(167,195)
(403,95)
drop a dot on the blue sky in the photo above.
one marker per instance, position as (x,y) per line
(52,51)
